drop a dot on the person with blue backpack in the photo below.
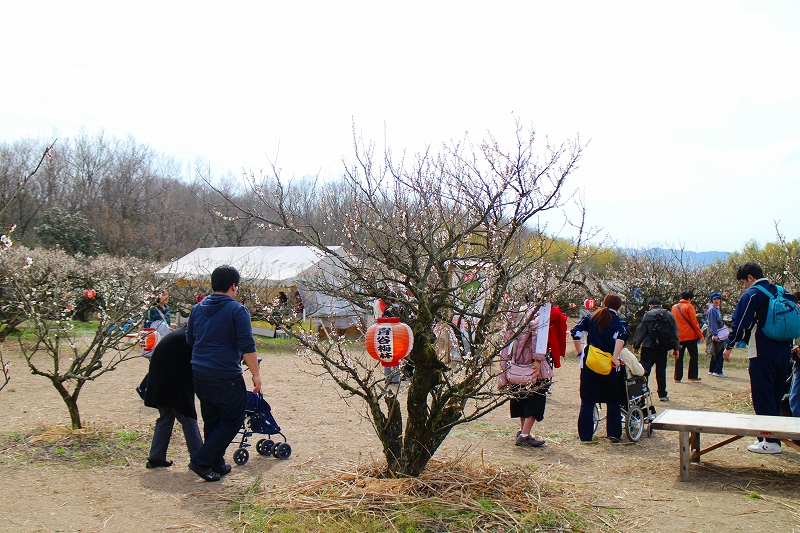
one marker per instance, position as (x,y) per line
(794,391)
(767,319)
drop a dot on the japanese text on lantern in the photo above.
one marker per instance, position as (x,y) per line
(383,338)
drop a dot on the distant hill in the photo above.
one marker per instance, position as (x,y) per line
(703,258)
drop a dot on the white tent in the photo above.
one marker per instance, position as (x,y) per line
(273,266)
(258,265)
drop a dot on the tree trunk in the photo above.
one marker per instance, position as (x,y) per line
(71,400)
(74,414)
(422,434)
(393,435)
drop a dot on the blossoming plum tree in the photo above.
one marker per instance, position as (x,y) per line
(453,239)
(45,287)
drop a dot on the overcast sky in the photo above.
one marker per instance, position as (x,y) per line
(691,108)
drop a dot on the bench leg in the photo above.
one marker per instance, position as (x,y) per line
(791,444)
(686,455)
(694,447)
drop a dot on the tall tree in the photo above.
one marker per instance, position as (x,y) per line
(449,238)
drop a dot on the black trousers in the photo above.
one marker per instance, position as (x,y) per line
(691,347)
(658,358)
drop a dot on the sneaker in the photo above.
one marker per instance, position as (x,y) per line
(677,381)
(764,447)
(695,379)
(614,440)
(533,441)
(529,441)
(664,399)
(710,373)
(719,375)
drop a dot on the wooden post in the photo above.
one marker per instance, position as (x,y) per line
(694,446)
(686,455)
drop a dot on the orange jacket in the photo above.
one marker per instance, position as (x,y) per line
(688,328)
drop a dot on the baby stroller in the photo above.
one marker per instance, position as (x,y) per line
(637,407)
(258,419)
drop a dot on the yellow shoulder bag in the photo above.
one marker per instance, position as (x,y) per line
(598,361)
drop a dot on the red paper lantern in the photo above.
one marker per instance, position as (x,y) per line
(590,303)
(90,293)
(148,338)
(389,340)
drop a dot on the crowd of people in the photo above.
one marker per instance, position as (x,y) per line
(600,339)
(205,357)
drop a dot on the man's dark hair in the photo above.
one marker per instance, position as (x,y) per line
(687,295)
(654,301)
(749,269)
(223,277)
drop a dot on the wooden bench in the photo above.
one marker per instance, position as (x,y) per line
(692,423)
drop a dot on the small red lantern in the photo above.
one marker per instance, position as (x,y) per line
(89,293)
(389,340)
(590,303)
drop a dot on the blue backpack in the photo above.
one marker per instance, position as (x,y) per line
(783,316)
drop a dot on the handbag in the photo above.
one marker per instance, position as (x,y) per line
(599,361)
(525,375)
(723,333)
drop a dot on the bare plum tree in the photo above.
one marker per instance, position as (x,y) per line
(453,239)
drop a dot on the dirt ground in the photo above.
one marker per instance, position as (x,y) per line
(638,483)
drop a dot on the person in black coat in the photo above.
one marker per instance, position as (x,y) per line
(171,391)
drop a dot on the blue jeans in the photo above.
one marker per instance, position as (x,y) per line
(794,393)
(715,365)
(222,404)
(163,432)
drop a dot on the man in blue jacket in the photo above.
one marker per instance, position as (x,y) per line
(769,359)
(220,334)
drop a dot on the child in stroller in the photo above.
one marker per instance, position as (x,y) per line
(636,401)
(258,419)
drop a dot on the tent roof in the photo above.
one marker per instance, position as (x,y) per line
(261,265)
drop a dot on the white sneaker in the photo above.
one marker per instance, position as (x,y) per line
(720,375)
(764,447)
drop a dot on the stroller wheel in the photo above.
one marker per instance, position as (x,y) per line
(241,456)
(282,450)
(265,446)
(634,424)
(596,417)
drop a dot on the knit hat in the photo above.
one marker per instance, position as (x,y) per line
(714,295)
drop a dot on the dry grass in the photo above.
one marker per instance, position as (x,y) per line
(737,401)
(453,494)
(81,448)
